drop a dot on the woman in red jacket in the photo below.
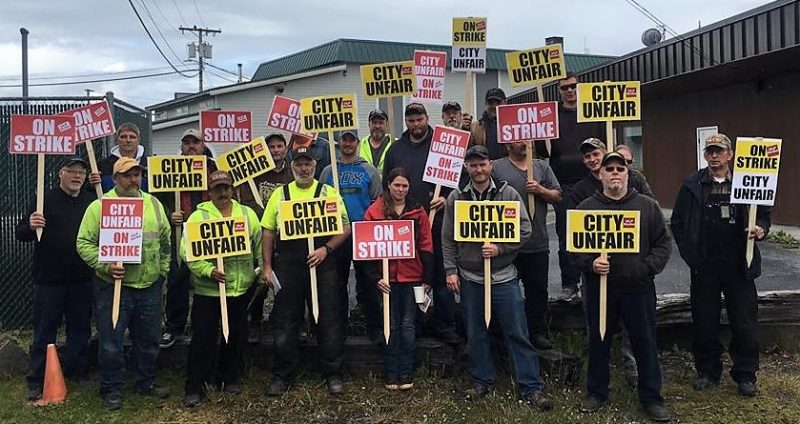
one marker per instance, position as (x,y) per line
(404,274)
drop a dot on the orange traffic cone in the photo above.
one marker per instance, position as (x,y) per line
(55,390)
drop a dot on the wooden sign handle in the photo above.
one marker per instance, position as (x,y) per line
(39,190)
(468,93)
(609,136)
(223,303)
(314,293)
(603,300)
(115,301)
(256,193)
(436,193)
(334,164)
(177,229)
(751,242)
(93,166)
(547,143)
(531,199)
(390,113)
(386,317)
(487,289)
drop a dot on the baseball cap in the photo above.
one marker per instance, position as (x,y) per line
(496,94)
(590,144)
(275,135)
(192,132)
(377,113)
(613,156)
(301,148)
(218,178)
(450,106)
(477,151)
(125,164)
(72,160)
(415,109)
(718,140)
(352,133)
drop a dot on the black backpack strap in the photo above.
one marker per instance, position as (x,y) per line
(286,195)
(318,191)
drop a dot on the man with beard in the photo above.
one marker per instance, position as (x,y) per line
(484,132)
(566,159)
(464,265)
(374,146)
(453,117)
(410,152)
(62,281)
(291,262)
(176,309)
(712,235)
(631,290)
(140,299)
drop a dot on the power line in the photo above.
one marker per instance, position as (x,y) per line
(169,46)
(100,74)
(164,16)
(236,74)
(183,20)
(154,41)
(49,84)
(197,9)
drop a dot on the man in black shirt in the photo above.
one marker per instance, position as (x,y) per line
(484,132)
(63,282)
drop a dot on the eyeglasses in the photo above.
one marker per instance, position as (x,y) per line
(619,169)
(567,87)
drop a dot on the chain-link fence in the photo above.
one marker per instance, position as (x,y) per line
(18,192)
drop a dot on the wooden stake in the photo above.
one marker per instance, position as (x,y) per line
(314,293)
(334,164)
(436,193)
(93,167)
(115,301)
(468,94)
(603,300)
(223,303)
(540,96)
(751,224)
(390,113)
(256,193)
(39,190)
(487,289)
(177,229)
(609,136)
(531,200)
(386,323)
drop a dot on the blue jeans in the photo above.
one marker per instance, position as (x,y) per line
(570,274)
(508,309)
(398,357)
(52,302)
(140,312)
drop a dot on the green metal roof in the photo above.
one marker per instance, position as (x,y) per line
(369,51)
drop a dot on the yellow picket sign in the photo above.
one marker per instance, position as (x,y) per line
(388,79)
(177,173)
(609,101)
(218,238)
(536,66)
(487,221)
(246,161)
(310,218)
(608,231)
(329,113)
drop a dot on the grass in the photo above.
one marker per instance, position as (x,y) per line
(433,400)
(784,238)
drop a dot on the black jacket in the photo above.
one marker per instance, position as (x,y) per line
(55,257)
(586,187)
(631,272)
(687,219)
(565,154)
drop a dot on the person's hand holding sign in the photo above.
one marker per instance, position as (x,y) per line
(117,271)
(94,178)
(36,220)
(601,266)
(453,283)
(218,276)
(532,186)
(437,203)
(176,218)
(383,286)
(755,232)
(317,256)
(490,250)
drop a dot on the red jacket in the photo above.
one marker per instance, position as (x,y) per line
(419,269)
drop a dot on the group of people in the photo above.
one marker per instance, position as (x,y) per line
(380,177)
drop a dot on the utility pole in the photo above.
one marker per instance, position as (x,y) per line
(203,50)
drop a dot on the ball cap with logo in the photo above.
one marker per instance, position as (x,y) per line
(125,164)
(218,178)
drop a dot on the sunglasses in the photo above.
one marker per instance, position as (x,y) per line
(619,169)
(567,87)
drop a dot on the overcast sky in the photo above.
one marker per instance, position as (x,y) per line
(77,38)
